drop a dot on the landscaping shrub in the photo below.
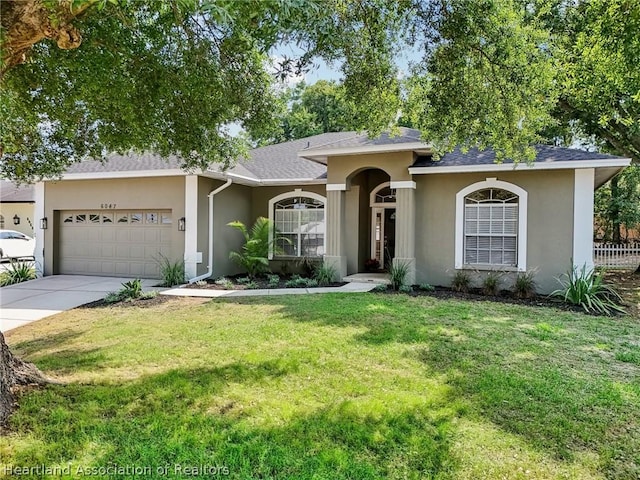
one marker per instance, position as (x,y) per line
(525,285)
(274,280)
(297,281)
(405,289)
(18,272)
(254,256)
(491,283)
(461,281)
(586,287)
(172,272)
(325,274)
(225,282)
(372,265)
(398,274)
(308,265)
(425,287)
(131,289)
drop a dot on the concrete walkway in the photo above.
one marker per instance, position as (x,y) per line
(29,301)
(352,287)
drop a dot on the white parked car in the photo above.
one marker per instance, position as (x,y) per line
(16,245)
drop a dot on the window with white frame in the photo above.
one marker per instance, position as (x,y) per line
(491,226)
(299,226)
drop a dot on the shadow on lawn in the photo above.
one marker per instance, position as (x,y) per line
(177,418)
(520,373)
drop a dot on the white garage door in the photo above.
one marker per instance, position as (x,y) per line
(117,243)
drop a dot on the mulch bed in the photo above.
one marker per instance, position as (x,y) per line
(260,282)
(505,296)
(141,302)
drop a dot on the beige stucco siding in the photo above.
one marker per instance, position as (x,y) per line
(549,232)
(161,193)
(233,203)
(26,213)
(396,165)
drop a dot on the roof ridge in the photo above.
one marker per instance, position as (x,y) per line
(355,135)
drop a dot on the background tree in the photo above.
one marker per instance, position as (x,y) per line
(310,110)
(617,206)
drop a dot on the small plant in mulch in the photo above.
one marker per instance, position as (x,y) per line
(525,285)
(586,288)
(398,274)
(372,265)
(325,274)
(131,291)
(273,280)
(461,281)
(491,283)
(18,272)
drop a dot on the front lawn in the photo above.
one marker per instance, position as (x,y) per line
(331,386)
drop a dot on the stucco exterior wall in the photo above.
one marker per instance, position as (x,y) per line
(549,232)
(26,213)
(396,165)
(233,203)
(126,193)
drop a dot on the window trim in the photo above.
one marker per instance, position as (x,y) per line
(522,224)
(298,192)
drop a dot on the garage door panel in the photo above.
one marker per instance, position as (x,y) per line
(122,234)
(136,235)
(108,268)
(119,243)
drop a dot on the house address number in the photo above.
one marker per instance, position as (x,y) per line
(107,205)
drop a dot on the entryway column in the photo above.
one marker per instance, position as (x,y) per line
(336,254)
(406,227)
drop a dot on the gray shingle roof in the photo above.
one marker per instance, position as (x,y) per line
(11,193)
(281,161)
(355,139)
(126,163)
(545,154)
(265,163)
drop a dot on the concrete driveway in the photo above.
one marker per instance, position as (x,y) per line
(29,301)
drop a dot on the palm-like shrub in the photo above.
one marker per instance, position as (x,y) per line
(18,272)
(254,256)
(586,287)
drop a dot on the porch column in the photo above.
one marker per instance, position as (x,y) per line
(335,245)
(406,227)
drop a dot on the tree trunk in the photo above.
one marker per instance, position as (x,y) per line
(27,22)
(13,373)
(615,210)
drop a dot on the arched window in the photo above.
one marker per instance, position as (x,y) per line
(298,218)
(491,226)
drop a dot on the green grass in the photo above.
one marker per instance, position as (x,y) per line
(334,386)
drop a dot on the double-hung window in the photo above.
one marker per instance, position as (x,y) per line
(299,225)
(491,228)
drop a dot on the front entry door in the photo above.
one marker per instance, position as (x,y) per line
(383,235)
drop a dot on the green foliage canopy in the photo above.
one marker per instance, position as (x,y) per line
(172,77)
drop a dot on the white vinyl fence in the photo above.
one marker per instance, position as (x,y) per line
(615,255)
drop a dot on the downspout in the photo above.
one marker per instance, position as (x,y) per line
(213,193)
